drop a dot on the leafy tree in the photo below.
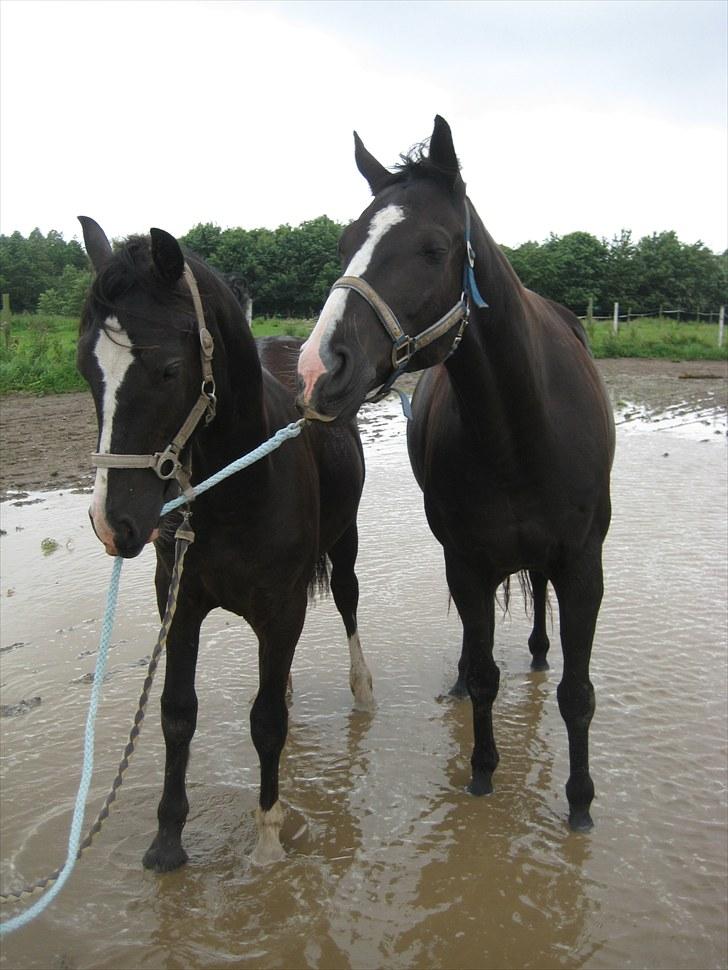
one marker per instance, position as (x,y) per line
(203,239)
(66,297)
(289,270)
(30,266)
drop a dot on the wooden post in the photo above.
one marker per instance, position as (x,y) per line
(5,319)
(615,321)
(590,312)
(721,326)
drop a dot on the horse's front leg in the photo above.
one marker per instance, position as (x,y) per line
(579,588)
(179,719)
(474,597)
(278,634)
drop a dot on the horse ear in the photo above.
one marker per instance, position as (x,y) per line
(97,245)
(167,255)
(442,150)
(373,171)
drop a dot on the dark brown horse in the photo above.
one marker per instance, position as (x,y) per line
(512,436)
(146,349)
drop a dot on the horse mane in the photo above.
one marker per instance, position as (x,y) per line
(417,164)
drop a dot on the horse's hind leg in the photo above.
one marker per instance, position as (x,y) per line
(579,589)
(345,587)
(475,601)
(278,634)
(179,719)
(538,642)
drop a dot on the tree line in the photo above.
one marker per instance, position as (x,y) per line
(289,270)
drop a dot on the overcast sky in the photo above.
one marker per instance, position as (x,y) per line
(566,116)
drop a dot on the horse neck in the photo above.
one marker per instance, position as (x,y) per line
(240,423)
(496,358)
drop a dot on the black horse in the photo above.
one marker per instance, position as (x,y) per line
(512,435)
(156,329)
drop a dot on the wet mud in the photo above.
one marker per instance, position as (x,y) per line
(389,862)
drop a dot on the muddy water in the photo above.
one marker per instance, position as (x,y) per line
(390,863)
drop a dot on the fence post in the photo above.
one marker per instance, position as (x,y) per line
(721,326)
(590,312)
(5,319)
(615,321)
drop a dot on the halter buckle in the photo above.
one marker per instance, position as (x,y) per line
(403,349)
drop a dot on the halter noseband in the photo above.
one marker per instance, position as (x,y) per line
(166,464)
(404,347)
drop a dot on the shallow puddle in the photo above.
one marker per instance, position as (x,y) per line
(390,862)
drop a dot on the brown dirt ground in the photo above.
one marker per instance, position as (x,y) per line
(46,442)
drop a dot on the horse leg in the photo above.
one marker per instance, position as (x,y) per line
(579,588)
(460,687)
(278,635)
(179,719)
(345,587)
(475,601)
(538,642)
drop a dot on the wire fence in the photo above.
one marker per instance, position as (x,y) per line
(679,315)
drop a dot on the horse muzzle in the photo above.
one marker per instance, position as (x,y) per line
(124,540)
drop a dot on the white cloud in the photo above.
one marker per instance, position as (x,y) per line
(170,113)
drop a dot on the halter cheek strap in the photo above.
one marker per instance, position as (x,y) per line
(166,464)
(404,346)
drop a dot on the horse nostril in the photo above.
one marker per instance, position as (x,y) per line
(126,531)
(341,366)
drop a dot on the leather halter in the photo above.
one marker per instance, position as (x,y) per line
(166,464)
(404,346)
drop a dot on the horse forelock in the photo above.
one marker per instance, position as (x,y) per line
(417,164)
(131,274)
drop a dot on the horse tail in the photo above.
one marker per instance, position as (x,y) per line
(524,582)
(319,584)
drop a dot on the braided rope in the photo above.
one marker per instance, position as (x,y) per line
(88,760)
(56,880)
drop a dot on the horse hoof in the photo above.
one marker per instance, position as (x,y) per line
(458,689)
(539,664)
(164,860)
(580,820)
(481,783)
(266,853)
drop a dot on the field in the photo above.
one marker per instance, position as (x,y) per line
(38,354)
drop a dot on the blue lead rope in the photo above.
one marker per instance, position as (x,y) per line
(74,837)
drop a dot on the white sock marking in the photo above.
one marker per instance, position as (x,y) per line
(360,679)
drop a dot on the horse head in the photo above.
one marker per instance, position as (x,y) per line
(402,299)
(140,354)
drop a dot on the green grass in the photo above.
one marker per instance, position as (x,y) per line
(40,357)
(654,338)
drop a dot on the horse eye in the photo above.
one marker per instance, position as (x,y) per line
(434,254)
(171,371)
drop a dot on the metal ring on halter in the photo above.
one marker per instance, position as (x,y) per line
(208,390)
(168,456)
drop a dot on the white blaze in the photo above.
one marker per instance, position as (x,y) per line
(113,351)
(310,362)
